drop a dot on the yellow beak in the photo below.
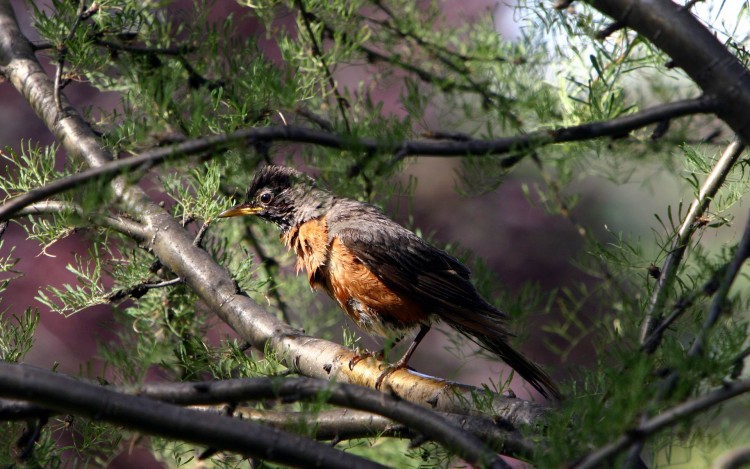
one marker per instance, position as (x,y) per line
(242,209)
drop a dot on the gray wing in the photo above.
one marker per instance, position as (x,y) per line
(402,260)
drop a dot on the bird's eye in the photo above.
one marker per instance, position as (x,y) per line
(265,198)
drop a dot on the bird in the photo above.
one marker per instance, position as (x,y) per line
(387,279)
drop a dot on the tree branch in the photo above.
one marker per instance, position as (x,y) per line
(733,459)
(673,29)
(216,143)
(422,420)
(337,424)
(145,415)
(665,419)
(349,424)
(122,225)
(340,100)
(718,304)
(708,190)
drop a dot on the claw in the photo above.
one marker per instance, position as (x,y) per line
(365,354)
(388,370)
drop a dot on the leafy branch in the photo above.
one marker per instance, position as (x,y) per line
(518,144)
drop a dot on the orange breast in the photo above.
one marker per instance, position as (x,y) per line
(360,293)
(310,242)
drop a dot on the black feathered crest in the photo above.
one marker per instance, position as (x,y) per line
(277,179)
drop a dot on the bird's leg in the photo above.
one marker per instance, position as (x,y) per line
(364,354)
(404,362)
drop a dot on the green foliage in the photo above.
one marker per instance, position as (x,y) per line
(17,336)
(74,298)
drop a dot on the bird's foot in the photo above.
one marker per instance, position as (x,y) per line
(388,370)
(365,354)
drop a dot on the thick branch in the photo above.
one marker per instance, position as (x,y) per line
(424,421)
(145,415)
(338,424)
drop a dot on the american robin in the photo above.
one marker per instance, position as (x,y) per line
(386,278)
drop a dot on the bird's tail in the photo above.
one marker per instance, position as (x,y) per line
(492,336)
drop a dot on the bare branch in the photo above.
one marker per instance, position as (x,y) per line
(11,409)
(422,420)
(64,394)
(345,424)
(336,424)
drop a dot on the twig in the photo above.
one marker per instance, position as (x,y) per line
(63,50)
(663,420)
(196,80)
(739,363)
(445,84)
(609,30)
(125,226)
(179,50)
(270,266)
(141,289)
(420,40)
(718,304)
(442,55)
(311,116)
(340,100)
(688,5)
(30,437)
(500,146)
(61,393)
(707,192)
(563,4)
(198,241)
(736,458)
(709,288)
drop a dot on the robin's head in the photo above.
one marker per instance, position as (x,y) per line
(284,196)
